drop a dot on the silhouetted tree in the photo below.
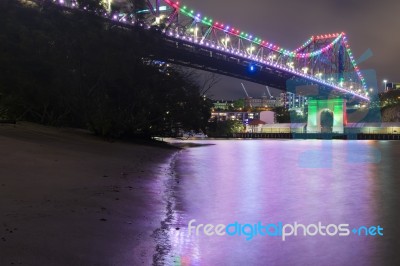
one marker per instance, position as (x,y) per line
(73,69)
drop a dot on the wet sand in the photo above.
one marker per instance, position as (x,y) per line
(69,198)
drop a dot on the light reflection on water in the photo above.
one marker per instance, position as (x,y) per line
(287,181)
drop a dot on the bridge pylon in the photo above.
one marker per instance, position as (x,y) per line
(326,115)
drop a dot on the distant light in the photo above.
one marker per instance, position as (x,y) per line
(252,68)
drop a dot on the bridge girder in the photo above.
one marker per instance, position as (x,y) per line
(192,40)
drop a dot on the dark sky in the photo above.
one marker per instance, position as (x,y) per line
(369,24)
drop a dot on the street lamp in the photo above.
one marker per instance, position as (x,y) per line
(158,19)
(194,31)
(272,57)
(385,81)
(290,64)
(225,41)
(251,49)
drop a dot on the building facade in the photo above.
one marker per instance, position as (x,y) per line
(244,117)
(223,105)
(292,101)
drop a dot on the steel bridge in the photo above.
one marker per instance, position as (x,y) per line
(186,37)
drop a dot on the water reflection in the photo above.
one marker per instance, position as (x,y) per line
(273,181)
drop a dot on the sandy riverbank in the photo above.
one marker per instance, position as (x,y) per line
(68,198)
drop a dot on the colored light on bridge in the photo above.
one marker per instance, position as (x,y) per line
(252,68)
(294,54)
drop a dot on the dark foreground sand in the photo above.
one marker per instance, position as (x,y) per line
(68,198)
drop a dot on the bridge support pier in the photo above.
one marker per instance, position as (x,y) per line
(317,110)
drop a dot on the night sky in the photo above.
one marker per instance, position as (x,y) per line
(370,25)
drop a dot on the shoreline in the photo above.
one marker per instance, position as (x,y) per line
(69,198)
(162,234)
(323,136)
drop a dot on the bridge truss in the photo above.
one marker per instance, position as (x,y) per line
(325,60)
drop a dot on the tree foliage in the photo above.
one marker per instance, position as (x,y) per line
(224,128)
(67,68)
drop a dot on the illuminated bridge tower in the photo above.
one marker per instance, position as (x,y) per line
(332,61)
(333,109)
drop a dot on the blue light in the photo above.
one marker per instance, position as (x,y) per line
(252,68)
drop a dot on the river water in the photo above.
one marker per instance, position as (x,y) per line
(352,184)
